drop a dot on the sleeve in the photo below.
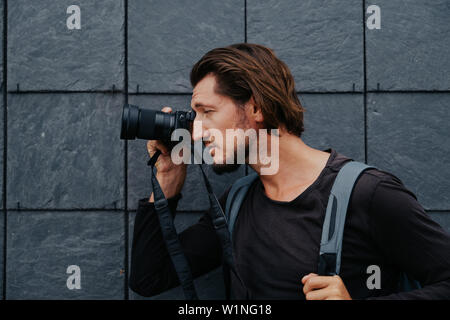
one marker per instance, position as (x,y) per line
(410,240)
(151,270)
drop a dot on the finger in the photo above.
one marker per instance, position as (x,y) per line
(153,145)
(166,109)
(321,294)
(161,147)
(317,282)
(305,278)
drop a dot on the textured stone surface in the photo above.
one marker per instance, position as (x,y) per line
(43,54)
(335,121)
(1,45)
(408,135)
(64,151)
(195,197)
(166,38)
(320,40)
(2,107)
(443,218)
(209,286)
(2,149)
(41,245)
(410,51)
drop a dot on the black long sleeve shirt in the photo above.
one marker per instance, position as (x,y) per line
(276,243)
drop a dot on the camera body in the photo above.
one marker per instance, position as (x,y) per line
(153,125)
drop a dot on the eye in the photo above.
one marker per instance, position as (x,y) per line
(207,111)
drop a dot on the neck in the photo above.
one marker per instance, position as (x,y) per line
(298,167)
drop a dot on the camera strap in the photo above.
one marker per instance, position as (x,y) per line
(170,235)
(220,224)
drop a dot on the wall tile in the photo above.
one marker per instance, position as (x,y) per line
(43,54)
(335,121)
(64,151)
(166,38)
(41,246)
(410,50)
(408,136)
(321,41)
(443,218)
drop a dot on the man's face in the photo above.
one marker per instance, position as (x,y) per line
(217,112)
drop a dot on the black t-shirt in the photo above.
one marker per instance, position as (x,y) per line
(276,243)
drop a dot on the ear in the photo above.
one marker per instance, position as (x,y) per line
(254,112)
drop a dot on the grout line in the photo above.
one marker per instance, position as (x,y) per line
(126,215)
(245,40)
(301,92)
(65,210)
(245,21)
(64,91)
(5,143)
(365,79)
(159,93)
(408,91)
(190,93)
(134,210)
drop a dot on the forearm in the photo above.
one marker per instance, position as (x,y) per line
(151,270)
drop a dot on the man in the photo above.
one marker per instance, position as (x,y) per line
(277,234)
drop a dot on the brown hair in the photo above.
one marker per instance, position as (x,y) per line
(247,70)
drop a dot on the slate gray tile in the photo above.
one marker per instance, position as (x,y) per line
(209,286)
(321,41)
(2,149)
(64,151)
(1,100)
(1,45)
(166,38)
(335,121)
(42,245)
(442,218)
(408,135)
(195,197)
(43,54)
(410,51)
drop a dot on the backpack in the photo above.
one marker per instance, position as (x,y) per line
(329,260)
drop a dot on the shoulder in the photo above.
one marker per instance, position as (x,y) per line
(372,183)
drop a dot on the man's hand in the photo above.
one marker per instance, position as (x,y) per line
(169,175)
(318,287)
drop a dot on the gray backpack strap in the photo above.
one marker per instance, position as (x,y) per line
(333,226)
(235,198)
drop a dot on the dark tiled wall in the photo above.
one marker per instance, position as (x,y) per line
(69,185)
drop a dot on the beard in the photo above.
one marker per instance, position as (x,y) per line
(232,167)
(225,168)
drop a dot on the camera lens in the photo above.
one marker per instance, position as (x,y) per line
(152,125)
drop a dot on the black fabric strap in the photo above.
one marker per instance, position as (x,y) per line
(220,223)
(170,235)
(171,238)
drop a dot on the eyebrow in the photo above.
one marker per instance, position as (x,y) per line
(201,105)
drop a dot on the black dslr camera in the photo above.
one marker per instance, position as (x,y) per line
(153,125)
